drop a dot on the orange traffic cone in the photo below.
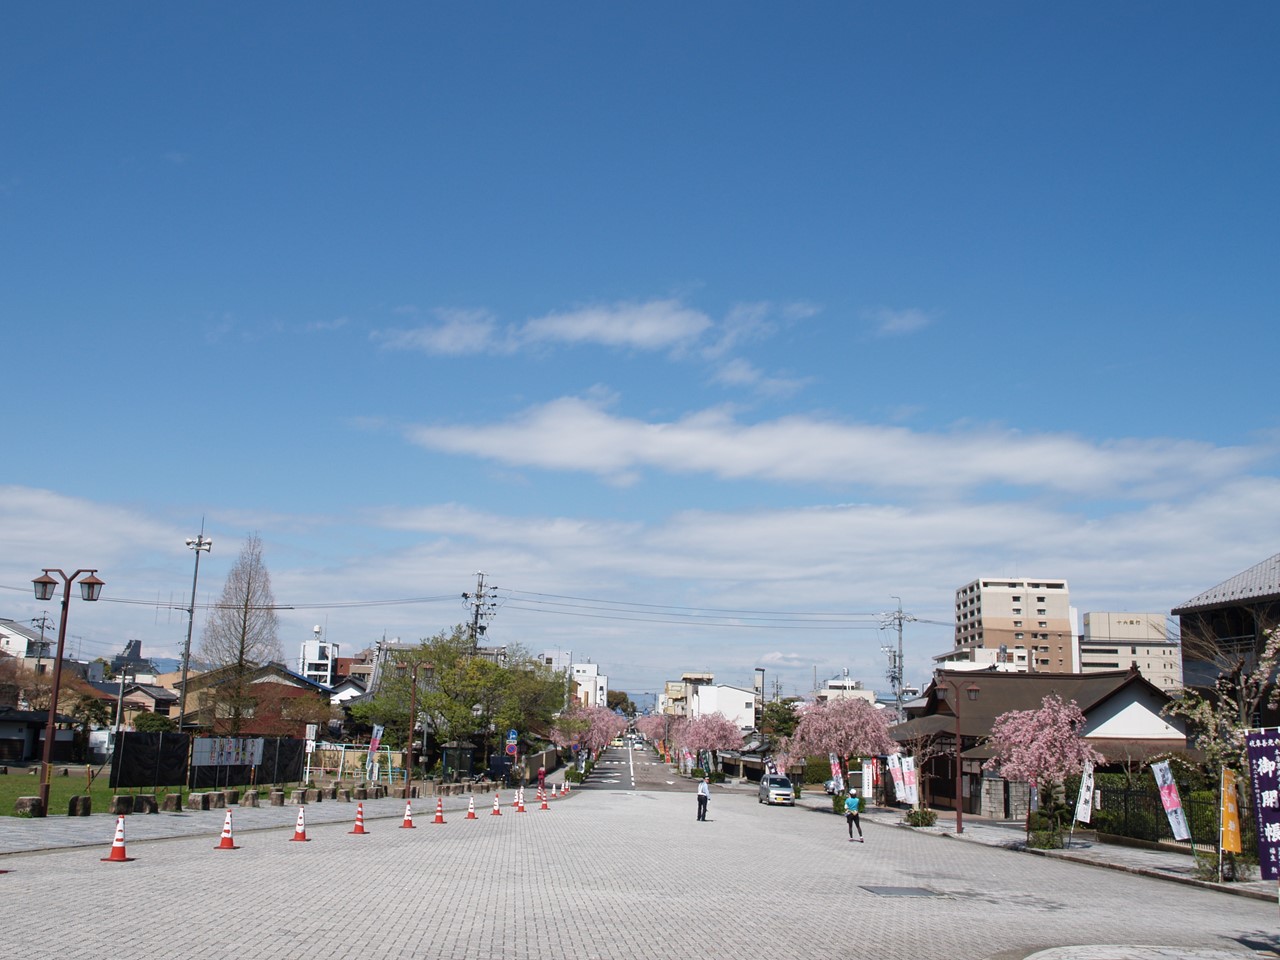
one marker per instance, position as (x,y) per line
(497,810)
(439,810)
(555,792)
(226,843)
(544,802)
(520,800)
(408,817)
(117,846)
(471,809)
(300,830)
(359,828)
(565,789)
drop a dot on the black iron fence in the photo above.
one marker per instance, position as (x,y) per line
(1140,815)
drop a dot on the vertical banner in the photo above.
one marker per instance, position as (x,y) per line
(1264,768)
(909,780)
(836,775)
(1229,814)
(1084,803)
(895,771)
(1171,800)
(870,777)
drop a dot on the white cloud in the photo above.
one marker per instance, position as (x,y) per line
(574,434)
(893,323)
(655,325)
(456,332)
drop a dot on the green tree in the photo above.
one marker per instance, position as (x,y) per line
(241,635)
(619,700)
(147,722)
(779,719)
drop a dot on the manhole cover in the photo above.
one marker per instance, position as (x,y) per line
(901,892)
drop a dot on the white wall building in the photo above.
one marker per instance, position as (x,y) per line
(736,703)
(1117,641)
(317,659)
(592,686)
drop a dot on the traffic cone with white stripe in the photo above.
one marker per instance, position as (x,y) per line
(226,843)
(117,846)
(555,792)
(520,800)
(408,816)
(439,810)
(300,829)
(359,828)
(497,809)
(471,809)
(544,802)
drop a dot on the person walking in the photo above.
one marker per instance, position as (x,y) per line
(704,794)
(852,807)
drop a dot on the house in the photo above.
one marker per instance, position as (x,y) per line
(1122,713)
(275,701)
(22,735)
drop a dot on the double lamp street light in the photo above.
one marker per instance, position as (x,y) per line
(46,586)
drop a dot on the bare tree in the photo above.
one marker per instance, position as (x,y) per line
(241,634)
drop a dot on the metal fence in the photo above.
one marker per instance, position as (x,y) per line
(1139,814)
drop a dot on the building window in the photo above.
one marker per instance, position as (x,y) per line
(1016,636)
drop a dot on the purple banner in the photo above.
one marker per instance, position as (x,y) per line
(1264,771)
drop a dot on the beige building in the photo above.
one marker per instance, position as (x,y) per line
(1117,641)
(1026,623)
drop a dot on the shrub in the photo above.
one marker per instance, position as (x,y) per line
(837,805)
(921,817)
(1045,840)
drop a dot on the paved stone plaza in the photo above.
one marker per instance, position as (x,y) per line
(602,874)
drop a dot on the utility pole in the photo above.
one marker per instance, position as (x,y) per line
(43,623)
(482,607)
(895,671)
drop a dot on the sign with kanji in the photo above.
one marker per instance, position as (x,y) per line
(1229,816)
(1171,800)
(1263,747)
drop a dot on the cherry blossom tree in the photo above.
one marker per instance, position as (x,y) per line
(846,726)
(1040,747)
(711,732)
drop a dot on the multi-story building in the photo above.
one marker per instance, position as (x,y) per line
(591,687)
(1117,641)
(738,704)
(1017,618)
(318,659)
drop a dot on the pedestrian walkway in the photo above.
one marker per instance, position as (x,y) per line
(1161,864)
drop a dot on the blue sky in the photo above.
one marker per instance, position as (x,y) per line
(714,319)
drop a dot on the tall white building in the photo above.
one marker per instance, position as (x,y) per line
(318,658)
(592,686)
(1117,641)
(736,703)
(1017,621)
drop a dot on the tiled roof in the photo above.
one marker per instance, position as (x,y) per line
(1259,582)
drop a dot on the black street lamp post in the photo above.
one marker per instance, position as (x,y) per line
(45,587)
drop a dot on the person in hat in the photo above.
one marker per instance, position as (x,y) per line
(704,794)
(852,807)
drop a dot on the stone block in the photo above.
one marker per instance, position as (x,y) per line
(80,807)
(145,803)
(217,800)
(197,801)
(122,805)
(171,803)
(344,795)
(28,807)
(360,793)
(250,798)
(314,795)
(297,797)
(233,797)
(277,798)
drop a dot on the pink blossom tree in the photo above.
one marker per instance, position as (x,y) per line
(1040,747)
(711,732)
(847,727)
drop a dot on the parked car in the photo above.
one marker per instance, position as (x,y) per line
(831,787)
(776,789)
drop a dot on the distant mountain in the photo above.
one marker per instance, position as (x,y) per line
(166,664)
